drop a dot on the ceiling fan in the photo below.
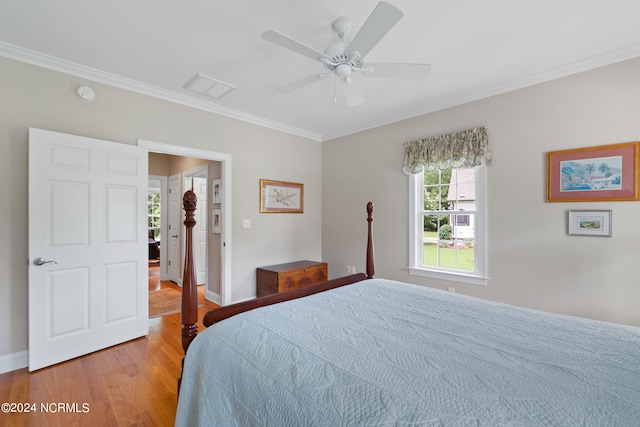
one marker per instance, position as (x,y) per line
(343,59)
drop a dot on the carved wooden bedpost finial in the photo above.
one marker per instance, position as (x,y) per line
(370,254)
(189,315)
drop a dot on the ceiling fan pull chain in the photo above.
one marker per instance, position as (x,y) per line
(335,89)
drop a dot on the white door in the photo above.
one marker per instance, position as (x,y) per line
(87,245)
(173,220)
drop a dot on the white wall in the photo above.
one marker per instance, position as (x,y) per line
(36,97)
(532,260)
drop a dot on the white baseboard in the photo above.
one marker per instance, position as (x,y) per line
(213,297)
(12,362)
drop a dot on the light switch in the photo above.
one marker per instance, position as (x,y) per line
(246,223)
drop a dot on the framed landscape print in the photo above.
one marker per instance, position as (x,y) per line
(596,174)
(280,196)
(590,223)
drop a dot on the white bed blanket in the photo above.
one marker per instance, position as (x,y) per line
(384,353)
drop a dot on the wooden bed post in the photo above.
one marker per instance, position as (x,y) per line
(189,312)
(370,269)
(189,316)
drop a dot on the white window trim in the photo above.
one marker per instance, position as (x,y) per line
(416,202)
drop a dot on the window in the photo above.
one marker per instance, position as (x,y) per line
(153,220)
(463,220)
(447,232)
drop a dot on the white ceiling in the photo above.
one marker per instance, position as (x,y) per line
(476,48)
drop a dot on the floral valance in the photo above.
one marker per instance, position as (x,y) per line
(462,149)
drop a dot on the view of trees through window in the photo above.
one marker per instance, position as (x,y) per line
(154,213)
(448,219)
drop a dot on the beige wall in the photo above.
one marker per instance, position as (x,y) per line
(532,260)
(160,164)
(36,97)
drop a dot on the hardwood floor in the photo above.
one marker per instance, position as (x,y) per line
(131,384)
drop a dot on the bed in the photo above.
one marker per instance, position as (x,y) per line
(381,352)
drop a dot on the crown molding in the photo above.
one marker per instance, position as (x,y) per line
(67,67)
(56,64)
(576,67)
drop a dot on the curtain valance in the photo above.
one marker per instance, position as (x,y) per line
(467,148)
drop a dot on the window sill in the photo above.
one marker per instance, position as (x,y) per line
(450,276)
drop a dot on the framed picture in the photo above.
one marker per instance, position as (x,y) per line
(595,174)
(590,223)
(216,189)
(280,196)
(216,219)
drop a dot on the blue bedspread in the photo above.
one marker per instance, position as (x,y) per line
(384,353)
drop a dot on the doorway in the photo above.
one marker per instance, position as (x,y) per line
(165,211)
(219,242)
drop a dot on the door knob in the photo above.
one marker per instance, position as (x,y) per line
(41,261)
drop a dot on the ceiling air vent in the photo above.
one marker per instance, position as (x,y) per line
(208,86)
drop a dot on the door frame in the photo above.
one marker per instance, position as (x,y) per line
(226,248)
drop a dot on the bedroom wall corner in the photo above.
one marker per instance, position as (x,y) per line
(532,260)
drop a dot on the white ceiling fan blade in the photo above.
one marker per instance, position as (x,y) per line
(294,45)
(352,92)
(381,20)
(397,71)
(302,82)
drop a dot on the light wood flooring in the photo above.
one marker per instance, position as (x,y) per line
(131,384)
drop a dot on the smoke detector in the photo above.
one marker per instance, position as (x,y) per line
(86,93)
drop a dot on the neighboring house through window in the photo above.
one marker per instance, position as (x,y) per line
(447,236)
(447,205)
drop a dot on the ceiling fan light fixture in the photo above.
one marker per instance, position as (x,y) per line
(344,70)
(345,57)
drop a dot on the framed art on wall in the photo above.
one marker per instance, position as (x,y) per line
(216,186)
(590,223)
(281,196)
(595,174)
(216,221)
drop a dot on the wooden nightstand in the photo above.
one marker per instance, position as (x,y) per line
(292,275)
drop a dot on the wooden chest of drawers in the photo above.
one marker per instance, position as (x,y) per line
(292,275)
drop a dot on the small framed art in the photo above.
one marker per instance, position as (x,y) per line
(216,221)
(590,223)
(595,174)
(281,196)
(216,185)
